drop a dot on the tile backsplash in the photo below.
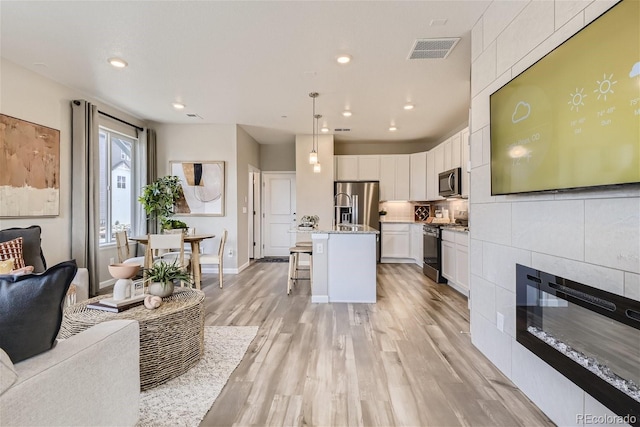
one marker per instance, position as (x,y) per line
(405,211)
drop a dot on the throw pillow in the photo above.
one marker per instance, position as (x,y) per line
(12,249)
(31,251)
(31,310)
(6,266)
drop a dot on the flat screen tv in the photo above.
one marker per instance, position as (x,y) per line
(572,119)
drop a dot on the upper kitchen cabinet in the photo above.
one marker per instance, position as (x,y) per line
(369,168)
(432,179)
(357,168)
(395,177)
(418,188)
(346,168)
(464,145)
(438,166)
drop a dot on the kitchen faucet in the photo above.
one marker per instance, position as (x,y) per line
(337,208)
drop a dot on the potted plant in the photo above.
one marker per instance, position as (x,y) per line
(173,224)
(162,276)
(159,199)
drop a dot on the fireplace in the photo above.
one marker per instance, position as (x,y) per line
(590,336)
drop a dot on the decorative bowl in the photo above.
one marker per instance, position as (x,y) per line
(123,271)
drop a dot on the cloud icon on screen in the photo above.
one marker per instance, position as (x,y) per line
(521,112)
(635,70)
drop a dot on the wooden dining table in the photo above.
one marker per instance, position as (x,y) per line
(194,240)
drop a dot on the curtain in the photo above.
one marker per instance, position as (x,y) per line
(152,171)
(85,178)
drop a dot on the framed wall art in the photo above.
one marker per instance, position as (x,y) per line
(29,169)
(203,187)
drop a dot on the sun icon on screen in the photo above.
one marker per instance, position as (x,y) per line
(605,86)
(577,99)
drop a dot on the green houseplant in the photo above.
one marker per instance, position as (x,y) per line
(159,199)
(163,275)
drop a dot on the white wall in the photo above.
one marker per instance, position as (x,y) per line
(588,236)
(314,191)
(32,97)
(278,157)
(248,156)
(203,142)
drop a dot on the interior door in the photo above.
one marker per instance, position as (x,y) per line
(279,210)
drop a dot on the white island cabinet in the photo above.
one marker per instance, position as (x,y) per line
(344,264)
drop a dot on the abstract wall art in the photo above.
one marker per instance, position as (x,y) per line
(29,169)
(203,187)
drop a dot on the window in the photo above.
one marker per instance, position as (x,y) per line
(117,198)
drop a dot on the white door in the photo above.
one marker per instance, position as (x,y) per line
(279,210)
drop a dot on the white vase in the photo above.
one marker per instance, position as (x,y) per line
(122,289)
(161,289)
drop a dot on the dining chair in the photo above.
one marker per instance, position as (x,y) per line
(122,246)
(167,248)
(216,259)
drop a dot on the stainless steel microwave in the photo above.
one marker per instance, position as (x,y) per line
(449,183)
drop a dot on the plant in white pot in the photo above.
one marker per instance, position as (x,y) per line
(163,275)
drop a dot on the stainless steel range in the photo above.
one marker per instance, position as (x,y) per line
(431,245)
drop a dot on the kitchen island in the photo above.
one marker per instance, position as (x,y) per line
(344,264)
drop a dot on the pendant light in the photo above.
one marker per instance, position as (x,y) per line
(316,166)
(313,155)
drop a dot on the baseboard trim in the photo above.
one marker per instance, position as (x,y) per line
(320,299)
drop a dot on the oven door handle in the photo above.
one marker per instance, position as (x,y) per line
(450,181)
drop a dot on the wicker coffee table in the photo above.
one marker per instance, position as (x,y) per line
(171,336)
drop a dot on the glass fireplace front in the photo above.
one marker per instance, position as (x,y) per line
(590,336)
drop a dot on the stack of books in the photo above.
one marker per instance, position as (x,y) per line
(109,304)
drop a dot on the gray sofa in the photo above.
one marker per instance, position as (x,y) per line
(90,379)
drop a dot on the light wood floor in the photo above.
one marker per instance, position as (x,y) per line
(407,360)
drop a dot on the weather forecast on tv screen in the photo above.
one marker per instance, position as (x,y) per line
(573,118)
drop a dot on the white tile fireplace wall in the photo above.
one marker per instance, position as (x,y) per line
(589,236)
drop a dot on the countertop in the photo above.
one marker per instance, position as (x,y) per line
(450,226)
(348,229)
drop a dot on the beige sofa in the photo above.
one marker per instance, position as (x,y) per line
(90,379)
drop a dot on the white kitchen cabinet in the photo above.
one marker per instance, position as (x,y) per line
(357,168)
(346,168)
(448,260)
(432,189)
(396,241)
(417,252)
(395,177)
(456,154)
(418,184)
(438,166)
(464,148)
(369,168)
(455,259)
(446,155)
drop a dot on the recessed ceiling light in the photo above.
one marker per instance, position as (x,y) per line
(393,128)
(117,62)
(324,129)
(346,113)
(343,59)
(408,106)
(178,105)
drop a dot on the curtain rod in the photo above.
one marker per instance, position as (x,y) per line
(121,121)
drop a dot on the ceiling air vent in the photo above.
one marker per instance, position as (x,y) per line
(342,130)
(432,48)
(193,116)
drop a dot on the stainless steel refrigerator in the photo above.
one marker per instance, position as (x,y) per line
(356,202)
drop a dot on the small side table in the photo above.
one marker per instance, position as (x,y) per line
(171,336)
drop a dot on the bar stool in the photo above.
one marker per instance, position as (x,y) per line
(294,257)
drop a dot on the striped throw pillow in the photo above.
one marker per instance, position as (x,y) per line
(12,249)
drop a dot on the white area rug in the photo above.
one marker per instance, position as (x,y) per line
(185,400)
